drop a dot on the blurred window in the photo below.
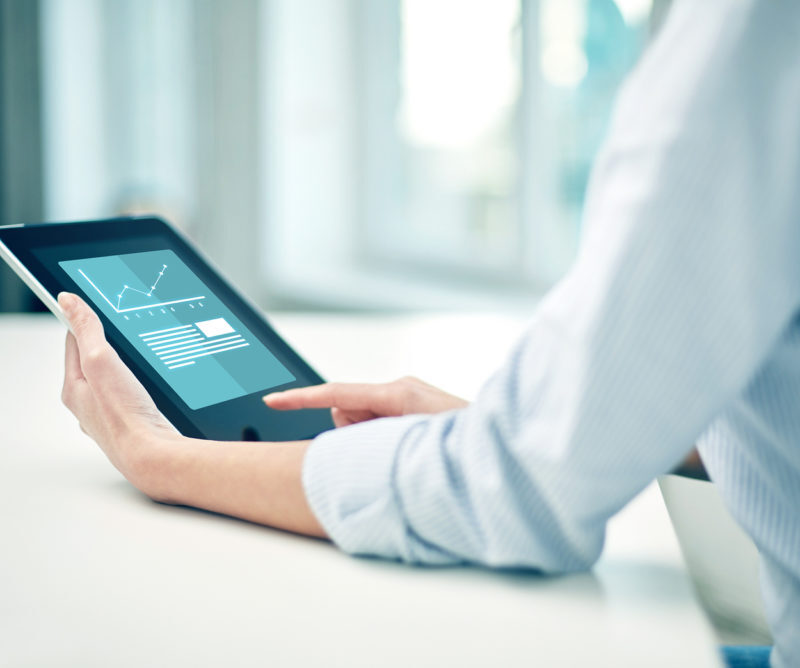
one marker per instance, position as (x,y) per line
(481,120)
(341,154)
(118,90)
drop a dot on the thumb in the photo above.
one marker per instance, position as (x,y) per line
(89,335)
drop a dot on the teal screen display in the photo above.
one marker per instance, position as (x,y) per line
(182,329)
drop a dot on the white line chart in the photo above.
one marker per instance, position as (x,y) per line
(149,293)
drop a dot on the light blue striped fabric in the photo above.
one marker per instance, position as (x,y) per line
(678,322)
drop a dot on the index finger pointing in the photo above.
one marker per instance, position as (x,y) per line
(317,396)
(349,396)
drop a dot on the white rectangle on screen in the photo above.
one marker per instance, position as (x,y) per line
(215,327)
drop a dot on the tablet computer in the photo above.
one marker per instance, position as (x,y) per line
(202,351)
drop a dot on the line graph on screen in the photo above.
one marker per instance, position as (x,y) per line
(122,299)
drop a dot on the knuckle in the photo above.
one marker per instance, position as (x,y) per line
(96,357)
(84,321)
(336,393)
(80,323)
(386,399)
(409,385)
(409,396)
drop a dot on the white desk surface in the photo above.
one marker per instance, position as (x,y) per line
(92,573)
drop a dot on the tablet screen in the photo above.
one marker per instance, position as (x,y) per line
(195,343)
(201,351)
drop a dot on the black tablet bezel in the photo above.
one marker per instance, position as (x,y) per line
(243,418)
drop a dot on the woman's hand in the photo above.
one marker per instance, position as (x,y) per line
(258,482)
(112,406)
(357,402)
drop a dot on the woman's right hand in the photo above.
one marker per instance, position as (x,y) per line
(358,402)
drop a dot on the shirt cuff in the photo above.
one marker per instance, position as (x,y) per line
(348,478)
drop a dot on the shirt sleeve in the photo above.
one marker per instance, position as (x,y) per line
(687,276)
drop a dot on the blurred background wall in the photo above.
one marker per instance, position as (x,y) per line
(328,154)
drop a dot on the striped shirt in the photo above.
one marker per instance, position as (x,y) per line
(678,323)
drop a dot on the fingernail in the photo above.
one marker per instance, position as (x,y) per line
(66,301)
(269,396)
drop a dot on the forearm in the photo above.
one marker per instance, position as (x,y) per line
(257,482)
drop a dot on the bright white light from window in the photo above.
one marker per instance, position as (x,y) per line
(563,61)
(563,19)
(460,75)
(634,11)
(564,64)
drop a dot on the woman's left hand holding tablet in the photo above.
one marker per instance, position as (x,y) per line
(258,482)
(112,406)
